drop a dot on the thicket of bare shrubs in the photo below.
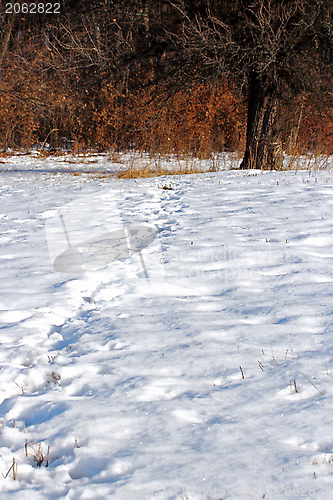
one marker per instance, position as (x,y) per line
(52,91)
(58,110)
(202,121)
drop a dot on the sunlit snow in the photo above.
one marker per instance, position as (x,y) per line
(191,358)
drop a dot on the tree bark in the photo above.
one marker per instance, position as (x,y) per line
(263,136)
(6,39)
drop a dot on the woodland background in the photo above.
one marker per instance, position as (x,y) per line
(80,81)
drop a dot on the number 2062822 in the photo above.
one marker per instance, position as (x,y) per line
(32,8)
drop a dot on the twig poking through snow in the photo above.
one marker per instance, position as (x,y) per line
(312,383)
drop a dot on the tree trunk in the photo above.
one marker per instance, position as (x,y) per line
(263,140)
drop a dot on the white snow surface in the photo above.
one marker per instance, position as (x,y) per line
(211,378)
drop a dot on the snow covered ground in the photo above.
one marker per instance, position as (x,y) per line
(198,365)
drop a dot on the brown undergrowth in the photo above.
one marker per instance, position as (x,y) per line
(53,101)
(56,115)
